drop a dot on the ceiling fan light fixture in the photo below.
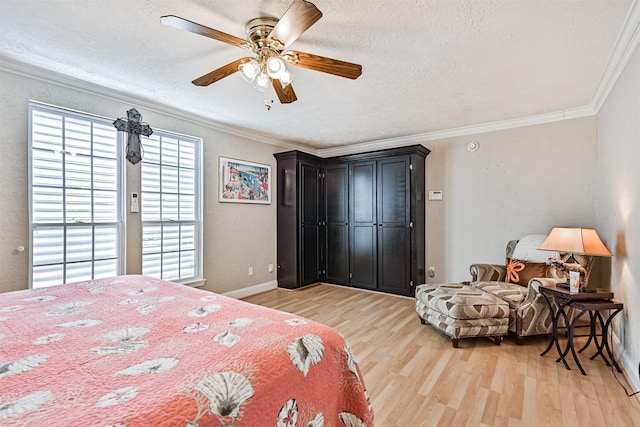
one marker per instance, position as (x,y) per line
(262,82)
(249,70)
(267,38)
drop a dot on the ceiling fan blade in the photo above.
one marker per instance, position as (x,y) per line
(285,95)
(296,20)
(324,64)
(183,24)
(218,74)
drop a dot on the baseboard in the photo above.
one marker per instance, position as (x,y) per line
(629,366)
(364,290)
(252,290)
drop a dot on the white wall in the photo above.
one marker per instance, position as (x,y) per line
(617,205)
(236,236)
(520,181)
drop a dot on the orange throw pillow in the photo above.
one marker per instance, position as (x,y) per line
(521,272)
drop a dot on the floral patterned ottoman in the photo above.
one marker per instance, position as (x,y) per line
(462,311)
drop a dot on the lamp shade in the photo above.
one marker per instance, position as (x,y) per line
(575,240)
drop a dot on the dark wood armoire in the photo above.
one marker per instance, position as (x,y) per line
(355,220)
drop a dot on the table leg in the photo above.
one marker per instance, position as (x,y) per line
(555,314)
(600,345)
(553,325)
(567,348)
(592,332)
(605,338)
(570,342)
(559,311)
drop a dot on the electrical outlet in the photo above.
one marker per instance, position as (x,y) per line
(270,268)
(250,271)
(432,271)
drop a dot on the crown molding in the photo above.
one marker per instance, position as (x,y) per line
(623,49)
(40,74)
(401,141)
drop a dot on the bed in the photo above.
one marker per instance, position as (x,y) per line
(137,351)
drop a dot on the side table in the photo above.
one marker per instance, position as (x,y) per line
(595,308)
(564,298)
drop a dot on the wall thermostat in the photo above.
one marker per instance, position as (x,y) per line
(135,205)
(435,195)
(473,146)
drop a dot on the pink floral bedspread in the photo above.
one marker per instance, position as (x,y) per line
(137,351)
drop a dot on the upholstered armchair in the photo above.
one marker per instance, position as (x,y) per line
(518,284)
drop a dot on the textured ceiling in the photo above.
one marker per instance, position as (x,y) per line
(428,66)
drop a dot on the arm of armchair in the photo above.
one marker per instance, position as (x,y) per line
(535,283)
(488,272)
(533,315)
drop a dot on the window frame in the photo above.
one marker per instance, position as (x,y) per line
(198,278)
(120,222)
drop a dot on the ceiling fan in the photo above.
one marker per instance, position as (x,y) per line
(268,39)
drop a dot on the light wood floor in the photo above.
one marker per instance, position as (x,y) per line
(416,378)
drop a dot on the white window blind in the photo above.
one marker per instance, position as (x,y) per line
(76,197)
(170,207)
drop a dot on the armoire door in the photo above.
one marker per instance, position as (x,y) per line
(336,221)
(310,223)
(287,245)
(394,221)
(363,225)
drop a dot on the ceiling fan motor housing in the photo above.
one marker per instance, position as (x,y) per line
(257,31)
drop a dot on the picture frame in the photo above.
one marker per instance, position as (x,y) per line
(242,181)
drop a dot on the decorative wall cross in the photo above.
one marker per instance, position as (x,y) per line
(135,127)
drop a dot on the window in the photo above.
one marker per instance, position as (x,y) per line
(170,205)
(76,209)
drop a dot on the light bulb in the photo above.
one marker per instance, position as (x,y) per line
(261,82)
(249,70)
(275,66)
(285,78)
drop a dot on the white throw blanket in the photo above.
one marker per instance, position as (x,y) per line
(527,249)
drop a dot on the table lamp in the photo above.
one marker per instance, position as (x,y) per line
(575,241)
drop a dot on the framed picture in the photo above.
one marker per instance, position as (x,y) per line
(244,182)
